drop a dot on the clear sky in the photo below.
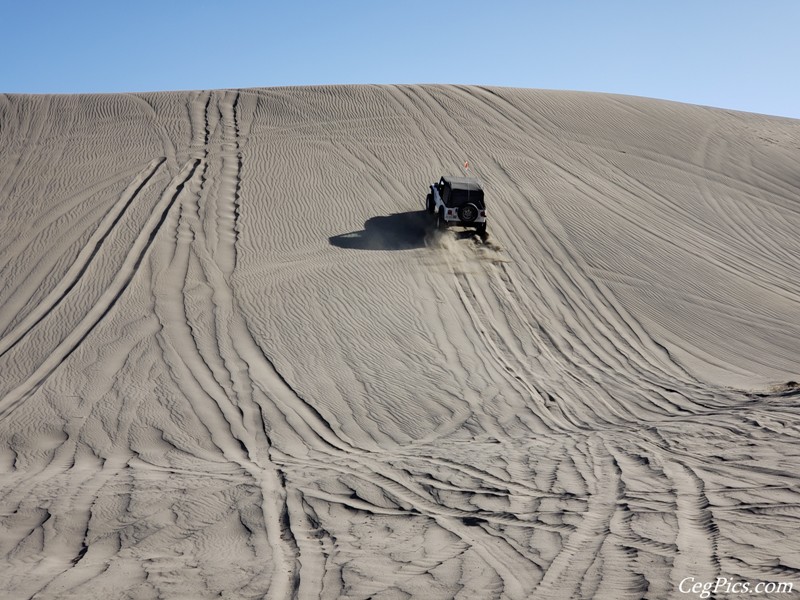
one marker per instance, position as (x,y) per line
(727,53)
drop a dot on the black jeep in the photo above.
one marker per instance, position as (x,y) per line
(457,201)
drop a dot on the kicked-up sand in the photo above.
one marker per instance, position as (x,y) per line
(236,362)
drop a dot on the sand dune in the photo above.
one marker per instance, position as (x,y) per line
(234,361)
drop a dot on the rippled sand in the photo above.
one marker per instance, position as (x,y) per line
(235,362)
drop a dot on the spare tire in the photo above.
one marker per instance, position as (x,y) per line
(468,213)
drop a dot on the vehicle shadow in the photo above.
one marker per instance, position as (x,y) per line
(400,231)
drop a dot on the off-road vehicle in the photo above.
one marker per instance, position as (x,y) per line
(457,201)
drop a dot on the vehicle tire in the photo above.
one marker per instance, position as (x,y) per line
(429,204)
(482,230)
(468,213)
(440,222)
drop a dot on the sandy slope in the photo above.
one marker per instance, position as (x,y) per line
(234,363)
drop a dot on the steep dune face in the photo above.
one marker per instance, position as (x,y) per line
(235,361)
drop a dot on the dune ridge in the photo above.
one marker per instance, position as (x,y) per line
(234,360)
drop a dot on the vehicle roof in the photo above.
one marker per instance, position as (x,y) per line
(463,183)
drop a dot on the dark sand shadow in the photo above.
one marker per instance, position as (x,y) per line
(400,231)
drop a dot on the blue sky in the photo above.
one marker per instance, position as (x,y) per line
(733,54)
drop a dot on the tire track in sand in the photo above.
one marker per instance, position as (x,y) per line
(84,258)
(120,282)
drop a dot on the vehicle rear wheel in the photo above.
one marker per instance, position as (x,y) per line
(482,229)
(429,204)
(440,222)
